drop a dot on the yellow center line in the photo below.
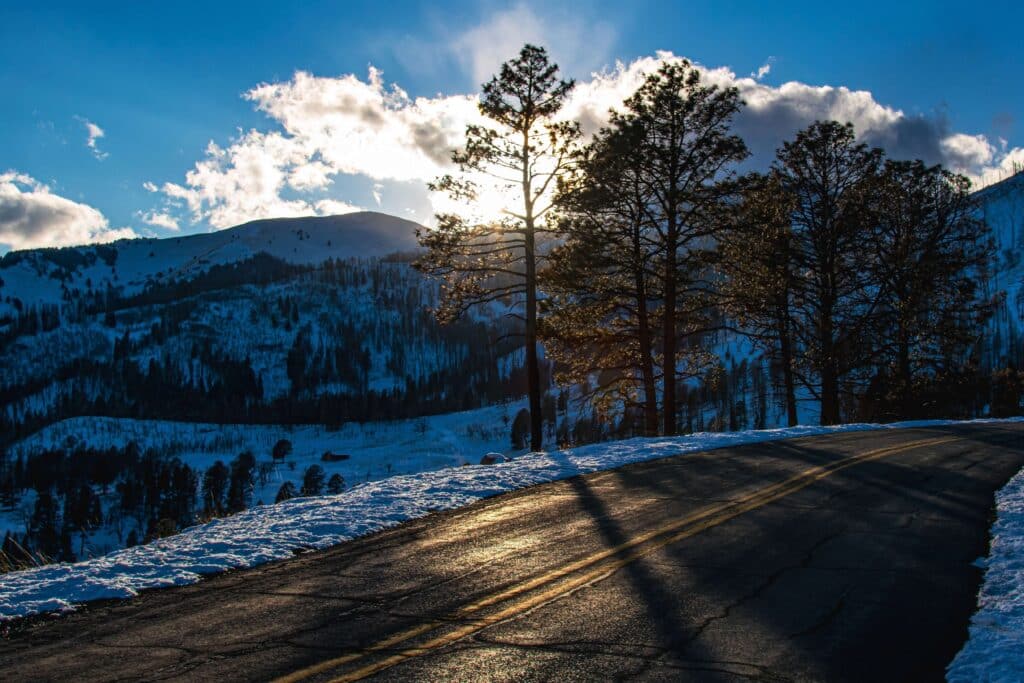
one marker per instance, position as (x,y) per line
(628,552)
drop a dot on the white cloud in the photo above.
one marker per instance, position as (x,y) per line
(32,216)
(968,151)
(94,133)
(763,70)
(774,113)
(159,219)
(329,127)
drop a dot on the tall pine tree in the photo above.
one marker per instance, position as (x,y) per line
(688,153)
(757,267)
(830,178)
(931,255)
(520,153)
(603,282)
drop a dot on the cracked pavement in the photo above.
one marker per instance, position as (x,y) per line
(863,575)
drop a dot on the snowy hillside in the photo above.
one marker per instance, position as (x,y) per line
(297,320)
(1002,207)
(53,276)
(358,453)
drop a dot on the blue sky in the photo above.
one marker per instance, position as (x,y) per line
(161,82)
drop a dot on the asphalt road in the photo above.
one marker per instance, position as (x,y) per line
(841,558)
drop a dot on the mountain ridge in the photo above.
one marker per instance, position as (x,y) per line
(51,276)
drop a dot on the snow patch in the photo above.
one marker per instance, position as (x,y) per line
(994,651)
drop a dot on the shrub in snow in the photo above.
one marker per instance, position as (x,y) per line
(313,481)
(336,484)
(521,429)
(241,483)
(286,492)
(282,449)
(215,489)
(492,458)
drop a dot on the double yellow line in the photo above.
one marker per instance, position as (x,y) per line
(563,580)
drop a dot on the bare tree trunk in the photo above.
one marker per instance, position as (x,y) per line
(786,358)
(532,362)
(903,344)
(646,359)
(669,332)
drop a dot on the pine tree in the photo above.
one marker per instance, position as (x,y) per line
(481,257)
(830,178)
(756,261)
(286,492)
(240,485)
(215,486)
(689,153)
(313,481)
(336,484)
(602,280)
(931,254)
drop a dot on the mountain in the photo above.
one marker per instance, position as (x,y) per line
(51,276)
(315,320)
(1002,207)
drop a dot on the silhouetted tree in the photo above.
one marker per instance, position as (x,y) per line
(336,484)
(523,149)
(282,449)
(215,487)
(688,154)
(240,485)
(313,481)
(286,492)
(830,179)
(931,256)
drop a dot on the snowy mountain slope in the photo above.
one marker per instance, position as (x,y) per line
(53,275)
(1002,207)
(372,450)
(285,320)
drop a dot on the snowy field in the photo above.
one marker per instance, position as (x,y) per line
(994,652)
(375,450)
(273,532)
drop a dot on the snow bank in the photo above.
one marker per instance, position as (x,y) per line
(994,651)
(274,532)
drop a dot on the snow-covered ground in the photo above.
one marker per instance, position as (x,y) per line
(273,532)
(994,651)
(375,450)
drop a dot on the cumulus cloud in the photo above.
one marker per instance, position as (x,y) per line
(326,127)
(94,133)
(33,216)
(329,126)
(775,113)
(159,219)
(763,70)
